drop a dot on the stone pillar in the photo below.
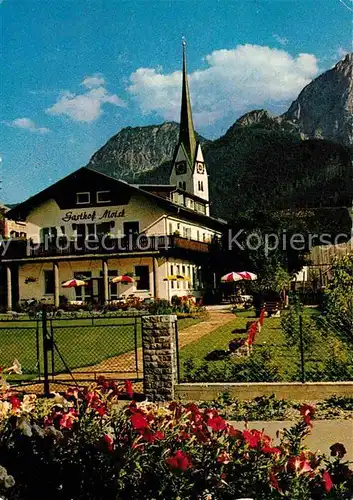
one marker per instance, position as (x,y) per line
(56,284)
(105,282)
(159,357)
(155,277)
(9,288)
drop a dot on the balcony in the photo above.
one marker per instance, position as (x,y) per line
(61,247)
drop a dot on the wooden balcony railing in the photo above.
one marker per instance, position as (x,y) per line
(17,249)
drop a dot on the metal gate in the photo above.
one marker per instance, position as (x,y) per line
(82,349)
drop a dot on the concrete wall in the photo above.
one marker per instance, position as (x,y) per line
(310,391)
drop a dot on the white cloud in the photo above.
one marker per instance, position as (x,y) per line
(86,107)
(27,124)
(235,81)
(95,80)
(280,39)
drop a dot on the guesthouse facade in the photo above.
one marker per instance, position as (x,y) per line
(93,227)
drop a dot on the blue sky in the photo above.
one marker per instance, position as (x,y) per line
(77,71)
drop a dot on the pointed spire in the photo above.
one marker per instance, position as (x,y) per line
(187,133)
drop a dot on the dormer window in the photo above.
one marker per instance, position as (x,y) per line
(83,198)
(103,197)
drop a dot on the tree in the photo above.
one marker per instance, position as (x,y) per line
(338,298)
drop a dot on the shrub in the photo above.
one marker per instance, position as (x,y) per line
(80,446)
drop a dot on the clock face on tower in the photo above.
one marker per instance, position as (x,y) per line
(200,167)
(180,167)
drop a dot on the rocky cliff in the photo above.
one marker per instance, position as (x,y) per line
(324,108)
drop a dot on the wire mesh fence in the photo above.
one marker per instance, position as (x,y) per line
(19,340)
(288,348)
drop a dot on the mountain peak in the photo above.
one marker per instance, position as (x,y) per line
(324,108)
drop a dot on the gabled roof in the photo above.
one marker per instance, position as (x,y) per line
(85,178)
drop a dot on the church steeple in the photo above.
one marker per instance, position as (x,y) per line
(189,173)
(186,133)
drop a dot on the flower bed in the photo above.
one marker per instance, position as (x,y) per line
(82,446)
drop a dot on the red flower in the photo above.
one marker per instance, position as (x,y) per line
(15,402)
(299,464)
(108,440)
(151,437)
(338,450)
(217,423)
(128,388)
(274,481)
(67,419)
(252,437)
(138,421)
(232,431)
(101,410)
(179,460)
(307,412)
(270,450)
(328,484)
(159,435)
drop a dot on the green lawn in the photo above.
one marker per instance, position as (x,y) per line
(270,341)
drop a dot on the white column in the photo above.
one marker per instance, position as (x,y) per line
(105,282)
(9,288)
(56,284)
(155,277)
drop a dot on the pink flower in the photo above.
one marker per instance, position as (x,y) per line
(307,412)
(328,484)
(179,460)
(67,419)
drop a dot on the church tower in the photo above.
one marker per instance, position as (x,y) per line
(189,170)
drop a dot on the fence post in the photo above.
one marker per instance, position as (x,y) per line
(45,350)
(159,357)
(302,361)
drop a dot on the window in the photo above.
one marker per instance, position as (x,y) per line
(172,272)
(170,228)
(184,185)
(49,282)
(113,287)
(200,185)
(198,235)
(103,197)
(103,228)
(131,228)
(83,198)
(183,274)
(82,292)
(178,272)
(48,234)
(142,274)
